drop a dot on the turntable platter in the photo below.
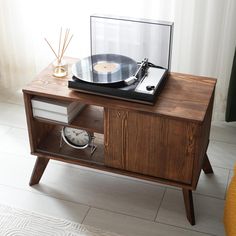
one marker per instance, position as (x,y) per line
(104,68)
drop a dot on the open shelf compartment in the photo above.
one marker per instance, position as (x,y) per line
(53,145)
(90,119)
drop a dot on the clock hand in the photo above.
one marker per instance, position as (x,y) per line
(79,133)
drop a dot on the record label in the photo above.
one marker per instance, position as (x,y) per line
(106,67)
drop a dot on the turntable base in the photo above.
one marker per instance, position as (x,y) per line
(164,143)
(118,76)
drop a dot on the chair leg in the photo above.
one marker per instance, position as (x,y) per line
(189,208)
(39,168)
(207,168)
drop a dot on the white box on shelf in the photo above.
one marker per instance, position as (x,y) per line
(56,116)
(63,107)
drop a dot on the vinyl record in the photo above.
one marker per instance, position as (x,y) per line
(104,68)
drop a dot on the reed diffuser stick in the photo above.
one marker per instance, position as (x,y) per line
(51,48)
(59,47)
(64,43)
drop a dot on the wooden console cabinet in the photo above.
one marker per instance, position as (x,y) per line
(165,143)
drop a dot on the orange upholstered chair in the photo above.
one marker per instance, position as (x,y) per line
(230,208)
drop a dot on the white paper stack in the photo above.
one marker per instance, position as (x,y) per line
(62,111)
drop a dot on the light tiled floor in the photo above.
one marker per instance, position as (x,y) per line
(208,212)
(116,203)
(222,154)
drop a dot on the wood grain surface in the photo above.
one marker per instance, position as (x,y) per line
(150,144)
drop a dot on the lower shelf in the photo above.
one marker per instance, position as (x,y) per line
(51,146)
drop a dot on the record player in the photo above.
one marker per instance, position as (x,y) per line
(130,59)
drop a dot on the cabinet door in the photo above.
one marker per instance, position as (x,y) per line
(115,137)
(160,147)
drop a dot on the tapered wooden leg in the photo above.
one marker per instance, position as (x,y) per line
(207,166)
(39,167)
(188,202)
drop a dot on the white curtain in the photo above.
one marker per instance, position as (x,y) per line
(204,35)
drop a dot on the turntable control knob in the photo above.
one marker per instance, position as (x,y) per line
(150,87)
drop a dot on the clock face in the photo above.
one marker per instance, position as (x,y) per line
(76,137)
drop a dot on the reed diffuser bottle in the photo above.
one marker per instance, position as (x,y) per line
(60,66)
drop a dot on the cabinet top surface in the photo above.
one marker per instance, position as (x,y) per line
(183,96)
